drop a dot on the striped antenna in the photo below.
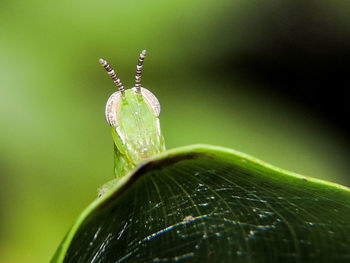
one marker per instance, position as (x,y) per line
(114,76)
(139,71)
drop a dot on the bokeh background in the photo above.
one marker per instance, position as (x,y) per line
(262,77)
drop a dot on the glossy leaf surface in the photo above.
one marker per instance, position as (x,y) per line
(210,204)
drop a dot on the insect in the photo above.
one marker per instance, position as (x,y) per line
(133,117)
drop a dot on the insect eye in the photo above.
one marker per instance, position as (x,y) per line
(151,100)
(112,106)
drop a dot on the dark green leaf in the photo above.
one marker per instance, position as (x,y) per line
(209,204)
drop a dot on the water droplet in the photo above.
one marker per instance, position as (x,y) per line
(188,219)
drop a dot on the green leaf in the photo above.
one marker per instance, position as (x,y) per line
(209,204)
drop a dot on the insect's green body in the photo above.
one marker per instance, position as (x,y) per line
(133,117)
(138,135)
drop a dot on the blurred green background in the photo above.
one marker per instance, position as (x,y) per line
(222,71)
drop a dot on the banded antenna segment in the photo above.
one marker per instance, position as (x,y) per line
(114,76)
(139,71)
